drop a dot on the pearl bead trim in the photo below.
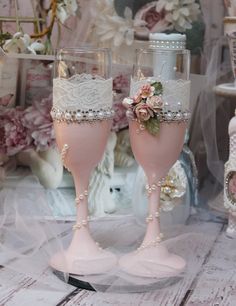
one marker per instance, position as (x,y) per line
(154,186)
(79,116)
(82,223)
(152,243)
(151,217)
(168,44)
(81,197)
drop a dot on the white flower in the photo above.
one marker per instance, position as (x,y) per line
(71,7)
(180,13)
(36,47)
(18,43)
(61,13)
(21,43)
(66,9)
(110,26)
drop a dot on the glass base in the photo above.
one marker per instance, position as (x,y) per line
(120,283)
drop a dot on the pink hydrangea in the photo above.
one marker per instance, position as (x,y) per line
(120,83)
(14,136)
(39,125)
(121,88)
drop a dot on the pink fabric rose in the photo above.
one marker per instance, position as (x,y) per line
(143,112)
(155,103)
(147,91)
(137,98)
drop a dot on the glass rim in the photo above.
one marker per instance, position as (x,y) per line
(156,50)
(87,49)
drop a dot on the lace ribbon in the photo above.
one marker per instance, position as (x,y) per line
(82,92)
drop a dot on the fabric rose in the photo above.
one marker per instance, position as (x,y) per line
(127,102)
(137,98)
(142,112)
(147,91)
(155,103)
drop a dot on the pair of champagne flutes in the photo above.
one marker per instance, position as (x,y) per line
(82,114)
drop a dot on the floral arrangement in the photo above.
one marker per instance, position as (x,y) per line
(22,129)
(57,12)
(145,107)
(156,16)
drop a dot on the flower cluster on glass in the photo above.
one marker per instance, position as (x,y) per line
(146,106)
(155,16)
(22,129)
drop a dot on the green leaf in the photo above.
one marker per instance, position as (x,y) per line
(158,88)
(152,126)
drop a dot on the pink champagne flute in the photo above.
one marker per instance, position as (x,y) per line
(158,111)
(82,113)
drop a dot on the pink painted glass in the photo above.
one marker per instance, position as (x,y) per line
(82,114)
(157,150)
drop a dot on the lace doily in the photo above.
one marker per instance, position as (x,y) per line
(85,92)
(176,93)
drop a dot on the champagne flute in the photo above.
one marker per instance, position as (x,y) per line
(82,113)
(158,111)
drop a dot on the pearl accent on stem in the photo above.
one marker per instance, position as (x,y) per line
(154,186)
(151,217)
(82,223)
(81,197)
(152,243)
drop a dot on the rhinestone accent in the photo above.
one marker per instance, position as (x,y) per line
(80,116)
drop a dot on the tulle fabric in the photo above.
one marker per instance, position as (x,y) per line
(30,235)
(208,132)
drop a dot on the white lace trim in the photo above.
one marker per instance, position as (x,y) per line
(176,94)
(84,92)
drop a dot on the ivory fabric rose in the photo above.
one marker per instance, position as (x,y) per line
(155,103)
(147,91)
(127,102)
(142,112)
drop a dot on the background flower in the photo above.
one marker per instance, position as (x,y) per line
(37,120)
(14,136)
(154,18)
(111,27)
(30,128)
